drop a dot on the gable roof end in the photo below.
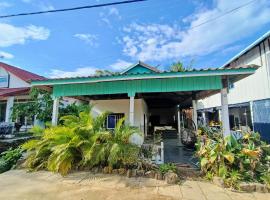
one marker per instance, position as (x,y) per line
(140,63)
(22,74)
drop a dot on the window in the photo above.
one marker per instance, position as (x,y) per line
(112,120)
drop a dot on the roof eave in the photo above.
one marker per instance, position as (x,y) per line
(219,72)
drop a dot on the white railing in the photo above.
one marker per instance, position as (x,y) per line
(157,152)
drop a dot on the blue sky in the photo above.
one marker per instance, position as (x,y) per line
(157,32)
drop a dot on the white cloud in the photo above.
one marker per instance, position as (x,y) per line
(4,4)
(79,72)
(120,65)
(158,42)
(110,14)
(6,55)
(90,39)
(11,35)
(114,12)
(41,4)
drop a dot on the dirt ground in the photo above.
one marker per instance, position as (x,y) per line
(22,185)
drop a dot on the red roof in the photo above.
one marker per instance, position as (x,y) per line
(22,74)
(5,92)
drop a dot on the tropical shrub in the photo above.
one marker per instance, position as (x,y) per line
(167,167)
(82,141)
(234,158)
(9,158)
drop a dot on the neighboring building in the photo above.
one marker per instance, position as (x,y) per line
(14,88)
(249,98)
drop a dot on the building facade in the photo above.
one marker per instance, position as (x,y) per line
(249,98)
(15,85)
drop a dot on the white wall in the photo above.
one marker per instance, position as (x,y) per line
(14,81)
(254,87)
(122,106)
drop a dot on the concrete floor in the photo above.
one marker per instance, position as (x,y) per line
(18,184)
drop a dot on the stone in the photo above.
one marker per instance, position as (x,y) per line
(247,187)
(95,170)
(140,172)
(129,173)
(107,170)
(159,176)
(261,188)
(122,171)
(134,172)
(171,178)
(150,174)
(218,181)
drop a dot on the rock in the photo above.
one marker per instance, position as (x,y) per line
(115,171)
(247,187)
(150,174)
(95,170)
(107,170)
(261,188)
(140,172)
(171,178)
(122,171)
(129,173)
(134,172)
(159,176)
(218,181)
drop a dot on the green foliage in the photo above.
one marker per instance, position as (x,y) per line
(39,105)
(9,158)
(234,158)
(82,141)
(73,109)
(164,168)
(179,66)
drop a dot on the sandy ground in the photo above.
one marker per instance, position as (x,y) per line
(21,185)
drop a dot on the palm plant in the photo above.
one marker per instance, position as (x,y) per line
(81,141)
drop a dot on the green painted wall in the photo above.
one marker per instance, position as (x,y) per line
(139,86)
(139,70)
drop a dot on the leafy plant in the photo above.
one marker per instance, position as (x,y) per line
(82,141)
(9,158)
(164,168)
(234,158)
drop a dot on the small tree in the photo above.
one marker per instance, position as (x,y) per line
(39,105)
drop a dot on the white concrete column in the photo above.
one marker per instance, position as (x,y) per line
(55,111)
(10,103)
(178,121)
(225,112)
(131,111)
(251,113)
(194,113)
(204,118)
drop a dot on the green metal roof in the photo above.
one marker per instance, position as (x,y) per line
(249,69)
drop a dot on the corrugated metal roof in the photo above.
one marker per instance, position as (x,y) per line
(165,74)
(259,40)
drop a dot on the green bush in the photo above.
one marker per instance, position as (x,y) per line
(82,141)
(164,168)
(234,158)
(9,158)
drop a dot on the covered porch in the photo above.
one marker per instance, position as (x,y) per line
(150,100)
